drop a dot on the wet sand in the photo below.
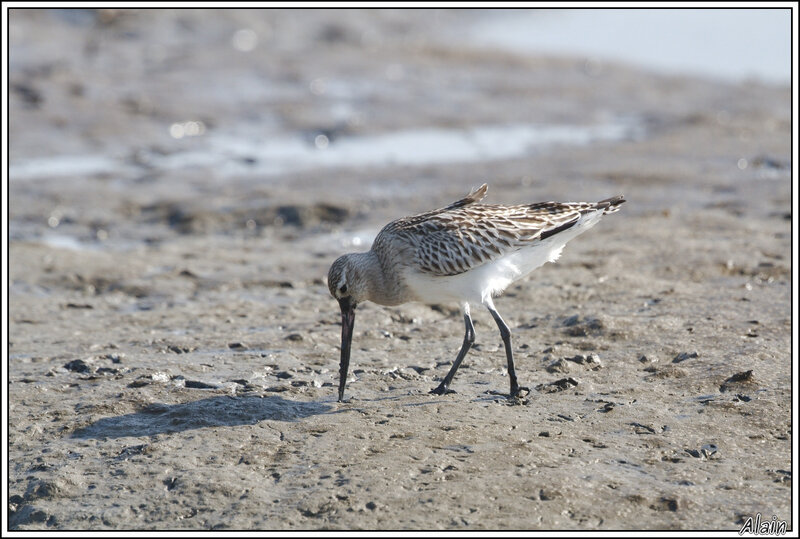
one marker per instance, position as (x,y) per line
(173,346)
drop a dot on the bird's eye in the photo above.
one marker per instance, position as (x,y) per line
(343,289)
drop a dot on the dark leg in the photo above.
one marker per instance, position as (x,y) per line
(505,333)
(469,338)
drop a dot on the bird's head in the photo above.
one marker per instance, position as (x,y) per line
(348,286)
(346,280)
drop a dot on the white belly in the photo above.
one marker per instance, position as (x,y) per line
(490,279)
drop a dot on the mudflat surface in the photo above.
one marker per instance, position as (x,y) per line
(178,192)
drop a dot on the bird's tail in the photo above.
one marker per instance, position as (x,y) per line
(610,205)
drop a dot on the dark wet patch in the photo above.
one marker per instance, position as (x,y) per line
(96,285)
(30,96)
(196,218)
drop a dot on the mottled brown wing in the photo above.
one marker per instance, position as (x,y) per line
(456,240)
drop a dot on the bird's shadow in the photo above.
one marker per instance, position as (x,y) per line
(219,411)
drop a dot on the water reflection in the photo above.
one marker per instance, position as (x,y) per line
(277,153)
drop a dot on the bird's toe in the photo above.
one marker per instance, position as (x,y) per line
(516,393)
(442,390)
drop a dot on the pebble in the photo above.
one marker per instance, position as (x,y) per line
(160,377)
(179,349)
(559,365)
(704,453)
(683,356)
(79,306)
(548,494)
(737,381)
(593,360)
(78,365)
(665,504)
(571,321)
(559,385)
(193,384)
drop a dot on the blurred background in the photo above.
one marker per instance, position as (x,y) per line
(222,108)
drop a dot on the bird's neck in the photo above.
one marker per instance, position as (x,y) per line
(379,289)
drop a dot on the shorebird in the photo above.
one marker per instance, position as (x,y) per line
(464,253)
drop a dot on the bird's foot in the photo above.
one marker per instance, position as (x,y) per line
(516,393)
(442,390)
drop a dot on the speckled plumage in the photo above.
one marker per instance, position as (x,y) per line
(466,234)
(466,252)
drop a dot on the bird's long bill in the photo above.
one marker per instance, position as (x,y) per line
(348,321)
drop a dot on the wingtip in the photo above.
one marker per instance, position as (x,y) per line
(479,193)
(475,195)
(611,204)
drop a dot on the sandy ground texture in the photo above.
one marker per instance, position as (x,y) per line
(174,349)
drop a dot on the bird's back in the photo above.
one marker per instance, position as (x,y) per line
(465,234)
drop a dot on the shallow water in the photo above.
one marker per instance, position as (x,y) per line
(727,44)
(239,154)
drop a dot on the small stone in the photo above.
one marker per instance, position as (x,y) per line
(548,494)
(738,381)
(744,376)
(238,346)
(79,306)
(593,360)
(193,384)
(571,321)
(559,366)
(683,356)
(78,365)
(558,385)
(160,377)
(665,504)
(708,450)
(179,349)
